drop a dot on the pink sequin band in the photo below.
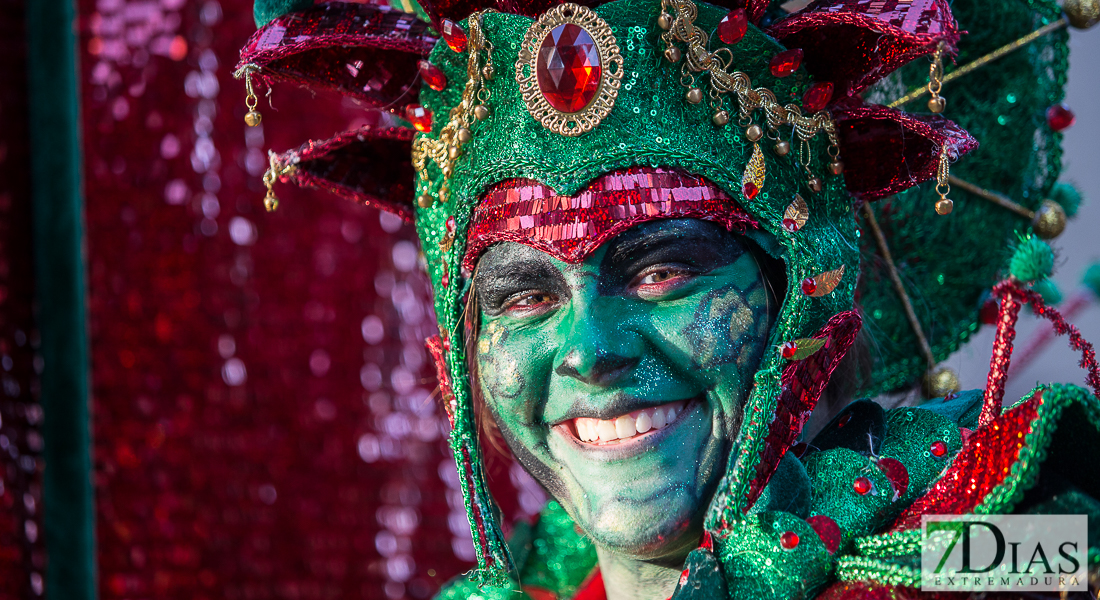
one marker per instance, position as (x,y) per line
(570,228)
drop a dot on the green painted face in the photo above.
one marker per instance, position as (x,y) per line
(618,381)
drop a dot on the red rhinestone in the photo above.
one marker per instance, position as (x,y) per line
(861,485)
(446,278)
(450,225)
(790,225)
(844,420)
(990,311)
(454,35)
(749,190)
(786,62)
(809,286)
(789,540)
(568,68)
(938,448)
(897,474)
(789,348)
(420,117)
(817,96)
(733,26)
(827,530)
(1060,117)
(432,75)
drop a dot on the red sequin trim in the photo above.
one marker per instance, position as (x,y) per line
(572,227)
(802,381)
(435,347)
(479,519)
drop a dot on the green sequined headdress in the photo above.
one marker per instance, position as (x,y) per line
(766,107)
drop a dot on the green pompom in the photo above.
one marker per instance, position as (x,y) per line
(1068,196)
(1048,290)
(1032,260)
(1092,278)
(263,11)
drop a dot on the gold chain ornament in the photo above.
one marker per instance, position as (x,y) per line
(445,150)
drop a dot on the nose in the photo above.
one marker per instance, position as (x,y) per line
(600,369)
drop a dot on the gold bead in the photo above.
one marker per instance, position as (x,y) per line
(270,201)
(694,95)
(464,135)
(754,133)
(936,104)
(487,73)
(815,184)
(664,21)
(1082,14)
(481,112)
(944,206)
(782,148)
(1049,221)
(453,152)
(253,118)
(425,201)
(672,54)
(939,383)
(720,118)
(836,167)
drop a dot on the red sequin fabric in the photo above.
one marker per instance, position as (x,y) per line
(347,47)
(571,227)
(803,381)
(264,411)
(854,43)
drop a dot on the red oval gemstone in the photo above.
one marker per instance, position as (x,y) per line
(897,474)
(450,225)
(733,26)
(938,448)
(844,420)
(568,68)
(788,540)
(1060,117)
(789,348)
(861,485)
(809,286)
(826,529)
(817,96)
(432,75)
(420,117)
(454,35)
(786,62)
(790,225)
(750,190)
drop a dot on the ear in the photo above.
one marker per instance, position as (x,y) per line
(853,43)
(370,165)
(366,51)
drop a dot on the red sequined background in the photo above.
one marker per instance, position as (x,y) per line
(263,412)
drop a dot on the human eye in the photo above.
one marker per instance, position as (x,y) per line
(658,281)
(529,303)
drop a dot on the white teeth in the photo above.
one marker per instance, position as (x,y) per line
(607,432)
(624,427)
(628,425)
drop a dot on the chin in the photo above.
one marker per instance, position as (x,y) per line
(651,532)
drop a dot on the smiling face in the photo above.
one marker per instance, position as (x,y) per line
(618,381)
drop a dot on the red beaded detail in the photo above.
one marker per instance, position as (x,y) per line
(436,347)
(789,348)
(938,448)
(786,62)
(826,529)
(733,26)
(789,540)
(1060,117)
(572,227)
(432,75)
(568,68)
(817,96)
(988,313)
(861,485)
(750,190)
(420,117)
(896,472)
(454,35)
(809,286)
